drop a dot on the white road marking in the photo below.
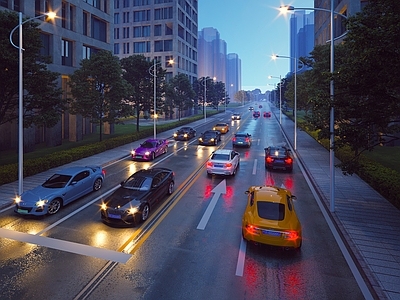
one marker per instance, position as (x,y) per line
(65,246)
(255,167)
(241,258)
(218,190)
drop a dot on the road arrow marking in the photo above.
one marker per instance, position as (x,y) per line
(218,190)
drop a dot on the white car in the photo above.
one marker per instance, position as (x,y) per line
(223,162)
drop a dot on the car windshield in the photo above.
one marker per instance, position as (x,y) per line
(240,135)
(217,156)
(220,125)
(185,129)
(278,152)
(57,181)
(209,135)
(270,210)
(139,183)
(147,145)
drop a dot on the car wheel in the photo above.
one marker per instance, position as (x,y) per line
(165,150)
(171,188)
(153,156)
(54,206)
(145,212)
(215,142)
(98,183)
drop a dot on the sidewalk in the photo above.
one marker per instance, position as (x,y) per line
(368,222)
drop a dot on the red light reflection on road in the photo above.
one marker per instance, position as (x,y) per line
(207,191)
(228,198)
(269,180)
(289,183)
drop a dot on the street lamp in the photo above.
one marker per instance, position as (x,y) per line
(280,96)
(295,92)
(204,83)
(51,15)
(332,96)
(154,74)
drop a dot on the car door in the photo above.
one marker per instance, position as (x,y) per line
(235,158)
(78,186)
(159,188)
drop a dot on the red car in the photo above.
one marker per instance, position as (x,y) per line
(278,157)
(256,114)
(267,114)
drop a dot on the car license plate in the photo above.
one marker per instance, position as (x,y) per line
(113,216)
(219,165)
(138,156)
(270,232)
(22,211)
(240,142)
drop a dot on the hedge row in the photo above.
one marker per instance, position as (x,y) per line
(382,179)
(9,173)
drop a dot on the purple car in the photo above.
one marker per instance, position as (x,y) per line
(150,149)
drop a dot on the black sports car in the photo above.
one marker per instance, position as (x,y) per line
(132,202)
(185,133)
(210,137)
(278,157)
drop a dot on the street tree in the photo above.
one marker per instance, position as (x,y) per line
(179,93)
(42,101)
(98,90)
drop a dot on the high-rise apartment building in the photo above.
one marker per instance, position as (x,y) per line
(322,19)
(212,55)
(233,78)
(301,36)
(158,29)
(81,28)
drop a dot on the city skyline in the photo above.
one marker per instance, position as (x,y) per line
(251,31)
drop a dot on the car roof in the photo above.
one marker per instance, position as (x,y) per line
(270,194)
(241,133)
(73,170)
(151,172)
(221,124)
(211,131)
(222,151)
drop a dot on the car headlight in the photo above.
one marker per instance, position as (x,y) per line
(200,139)
(147,153)
(132,210)
(175,135)
(185,135)
(103,206)
(133,152)
(18,199)
(41,203)
(212,140)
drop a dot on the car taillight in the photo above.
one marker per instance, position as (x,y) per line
(209,164)
(234,139)
(252,229)
(269,159)
(247,140)
(103,172)
(288,160)
(291,235)
(228,165)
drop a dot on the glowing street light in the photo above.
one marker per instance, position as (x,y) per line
(51,15)
(285,8)
(154,73)
(280,96)
(295,92)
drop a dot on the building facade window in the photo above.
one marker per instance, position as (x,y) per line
(126,48)
(141,15)
(116,48)
(116,33)
(125,33)
(141,47)
(163,13)
(99,30)
(157,30)
(66,52)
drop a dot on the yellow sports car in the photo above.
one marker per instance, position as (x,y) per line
(221,127)
(270,217)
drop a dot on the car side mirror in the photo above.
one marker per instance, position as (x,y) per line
(294,197)
(121,183)
(246,192)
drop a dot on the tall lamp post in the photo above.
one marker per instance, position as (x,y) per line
(204,83)
(21,96)
(295,92)
(332,96)
(154,74)
(280,96)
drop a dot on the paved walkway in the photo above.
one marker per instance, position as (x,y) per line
(369,223)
